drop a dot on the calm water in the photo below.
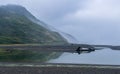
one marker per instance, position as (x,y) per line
(104,56)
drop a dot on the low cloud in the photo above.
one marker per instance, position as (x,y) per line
(98,9)
(90,21)
(96,23)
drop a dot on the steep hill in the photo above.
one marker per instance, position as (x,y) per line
(17,27)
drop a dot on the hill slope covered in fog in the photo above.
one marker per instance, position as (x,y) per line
(17,27)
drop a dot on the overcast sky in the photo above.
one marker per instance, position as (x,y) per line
(89,21)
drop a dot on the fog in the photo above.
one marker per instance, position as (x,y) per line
(89,21)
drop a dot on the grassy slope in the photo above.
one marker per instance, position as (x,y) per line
(18,29)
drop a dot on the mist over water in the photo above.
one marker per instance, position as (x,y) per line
(104,56)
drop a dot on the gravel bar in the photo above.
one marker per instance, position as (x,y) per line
(59,69)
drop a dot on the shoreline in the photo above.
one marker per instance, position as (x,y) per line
(60,69)
(26,64)
(57,70)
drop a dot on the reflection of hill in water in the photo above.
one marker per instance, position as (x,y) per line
(26,56)
(17,27)
(105,56)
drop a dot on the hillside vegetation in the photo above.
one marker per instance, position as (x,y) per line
(17,27)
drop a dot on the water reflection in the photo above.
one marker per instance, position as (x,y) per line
(105,56)
(80,50)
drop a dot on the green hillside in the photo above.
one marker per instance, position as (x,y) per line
(16,27)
